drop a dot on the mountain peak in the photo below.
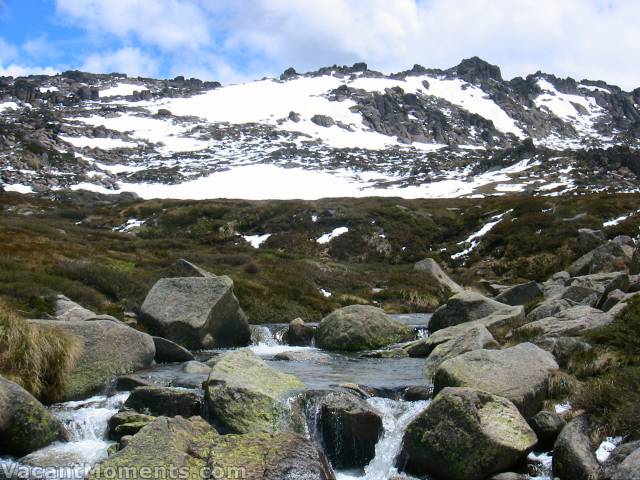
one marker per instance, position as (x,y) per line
(475,69)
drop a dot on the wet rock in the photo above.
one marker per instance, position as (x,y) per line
(573,452)
(437,276)
(623,463)
(417,393)
(466,434)
(360,327)
(129,382)
(165,401)
(520,294)
(345,426)
(464,307)
(127,422)
(510,476)
(109,349)
(170,352)
(25,424)
(547,425)
(299,334)
(198,313)
(475,338)
(243,392)
(520,374)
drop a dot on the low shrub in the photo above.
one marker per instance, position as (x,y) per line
(39,360)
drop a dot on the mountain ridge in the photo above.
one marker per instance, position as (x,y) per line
(418,133)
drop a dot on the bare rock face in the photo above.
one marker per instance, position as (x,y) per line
(520,374)
(465,307)
(573,452)
(466,434)
(196,312)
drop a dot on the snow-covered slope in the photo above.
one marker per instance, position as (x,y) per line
(340,131)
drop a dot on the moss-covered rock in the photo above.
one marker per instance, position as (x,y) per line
(25,424)
(269,456)
(243,392)
(360,327)
(109,349)
(165,401)
(466,434)
(167,444)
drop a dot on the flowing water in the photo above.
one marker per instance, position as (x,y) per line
(87,420)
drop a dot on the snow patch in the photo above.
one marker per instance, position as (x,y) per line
(121,90)
(18,188)
(327,237)
(606,447)
(256,240)
(474,239)
(101,143)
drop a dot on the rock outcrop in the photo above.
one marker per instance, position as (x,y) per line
(465,307)
(574,456)
(430,268)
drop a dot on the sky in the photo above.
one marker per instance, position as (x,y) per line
(239,40)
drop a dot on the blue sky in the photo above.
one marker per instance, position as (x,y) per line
(238,40)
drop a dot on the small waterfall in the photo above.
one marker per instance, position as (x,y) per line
(269,340)
(87,423)
(396,417)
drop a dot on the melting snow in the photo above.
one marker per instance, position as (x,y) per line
(616,221)
(18,188)
(256,240)
(327,237)
(131,224)
(7,105)
(325,293)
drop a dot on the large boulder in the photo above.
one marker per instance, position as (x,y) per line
(165,401)
(170,352)
(520,294)
(196,312)
(244,393)
(109,349)
(345,426)
(192,449)
(547,425)
(466,434)
(430,268)
(613,256)
(360,327)
(25,424)
(573,452)
(187,269)
(520,374)
(549,308)
(475,338)
(602,283)
(569,322)
(623,463)
(465,307)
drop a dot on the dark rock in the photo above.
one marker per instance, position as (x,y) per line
(288,74)
(129,382)
(417,393)
(464,307)
(300,335)
(165,401)
(323,121)
(547,425)
(346,427)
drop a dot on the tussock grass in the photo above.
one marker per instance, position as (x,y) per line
(37,359)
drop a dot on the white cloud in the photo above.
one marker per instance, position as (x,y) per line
(170,24)
(130,60)
(233,39)
(14,70)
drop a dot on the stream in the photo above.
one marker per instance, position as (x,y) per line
(87,420)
